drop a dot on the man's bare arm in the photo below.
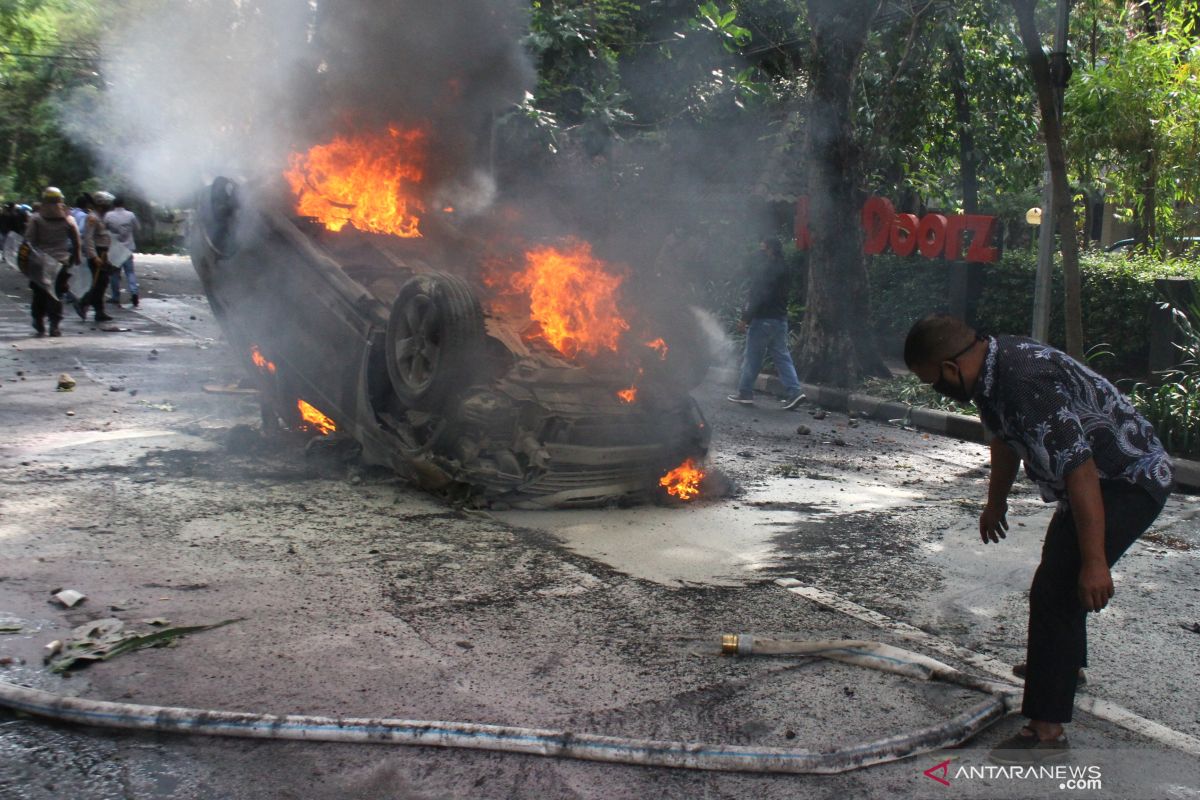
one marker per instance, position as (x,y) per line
(993,522)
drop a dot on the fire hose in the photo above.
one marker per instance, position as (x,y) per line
(565,744)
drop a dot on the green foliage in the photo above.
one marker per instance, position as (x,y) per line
(1173,406)
(49,50)
(1118,294)
(906,100)
(1133,112)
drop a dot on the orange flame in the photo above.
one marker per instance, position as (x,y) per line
(261,361)
(573,297)
(628,395)
(315,419)
(683,481)
(658,346)
(366,180)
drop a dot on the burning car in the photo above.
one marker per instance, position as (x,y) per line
(510,373)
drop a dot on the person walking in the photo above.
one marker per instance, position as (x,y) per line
(764,321)
(51,232)
(123,226)
(1087,448)
(96,241)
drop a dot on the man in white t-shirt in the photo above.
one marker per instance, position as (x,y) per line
(122,224)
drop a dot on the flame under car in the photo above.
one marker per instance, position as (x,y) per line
(388,337)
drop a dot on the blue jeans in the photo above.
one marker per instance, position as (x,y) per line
(768,336)
(114,282)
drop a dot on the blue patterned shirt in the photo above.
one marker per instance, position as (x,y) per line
(1056,414)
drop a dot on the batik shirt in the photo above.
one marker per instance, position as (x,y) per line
(1056,414)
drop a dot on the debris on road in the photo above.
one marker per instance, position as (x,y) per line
(228,388)
(803,430)
(1193,627)
(820,413)
(69,597)
(103,639)
(10,628)
(163,406)
(65,383)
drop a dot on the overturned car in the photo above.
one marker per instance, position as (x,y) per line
(506,376)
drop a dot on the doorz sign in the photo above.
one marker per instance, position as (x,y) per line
(955,237)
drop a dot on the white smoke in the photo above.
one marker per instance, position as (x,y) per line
(199,88)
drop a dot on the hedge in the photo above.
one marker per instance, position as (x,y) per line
(1118,295)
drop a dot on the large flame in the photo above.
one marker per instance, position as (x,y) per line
(683,481)
(367,180)
(314,419)
(573,297)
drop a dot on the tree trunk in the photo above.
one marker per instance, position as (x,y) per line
(1064,208)
(969,174)
(838,344)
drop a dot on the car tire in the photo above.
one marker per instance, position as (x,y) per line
(434,337)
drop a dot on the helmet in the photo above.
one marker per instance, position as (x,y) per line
(103,198)
(52,195)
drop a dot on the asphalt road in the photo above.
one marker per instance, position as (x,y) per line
(360,596)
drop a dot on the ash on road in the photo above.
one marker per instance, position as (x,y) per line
(364,597)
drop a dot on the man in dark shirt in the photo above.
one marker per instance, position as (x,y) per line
(764,321)
(1087,448)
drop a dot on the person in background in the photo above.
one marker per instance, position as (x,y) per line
(764,321)
(79,211)
(1090,451)
(123,225)
(95,249)
(9,222)
(52,231)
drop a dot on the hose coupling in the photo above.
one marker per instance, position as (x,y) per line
(741,644)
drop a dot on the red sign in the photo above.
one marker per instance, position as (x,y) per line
(933,235)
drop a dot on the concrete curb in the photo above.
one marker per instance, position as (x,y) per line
(959,426)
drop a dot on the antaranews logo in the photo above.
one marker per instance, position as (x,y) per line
(1067,776)
(940,773)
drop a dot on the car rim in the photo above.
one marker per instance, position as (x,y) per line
(417,344)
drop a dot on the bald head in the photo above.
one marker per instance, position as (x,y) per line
(936,338)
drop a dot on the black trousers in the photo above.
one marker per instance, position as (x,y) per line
(45,304)
(1057,647)
(95,296)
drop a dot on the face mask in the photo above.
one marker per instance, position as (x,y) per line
(957,393)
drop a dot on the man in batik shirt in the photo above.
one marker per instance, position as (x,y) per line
(1087,448)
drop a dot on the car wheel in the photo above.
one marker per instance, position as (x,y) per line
(434,336)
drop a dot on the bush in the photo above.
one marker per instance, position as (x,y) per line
(1174,407)
(1118,295)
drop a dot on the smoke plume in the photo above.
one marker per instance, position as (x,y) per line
(207,87)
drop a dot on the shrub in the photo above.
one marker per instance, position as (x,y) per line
(1174,406)
(1118,295)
